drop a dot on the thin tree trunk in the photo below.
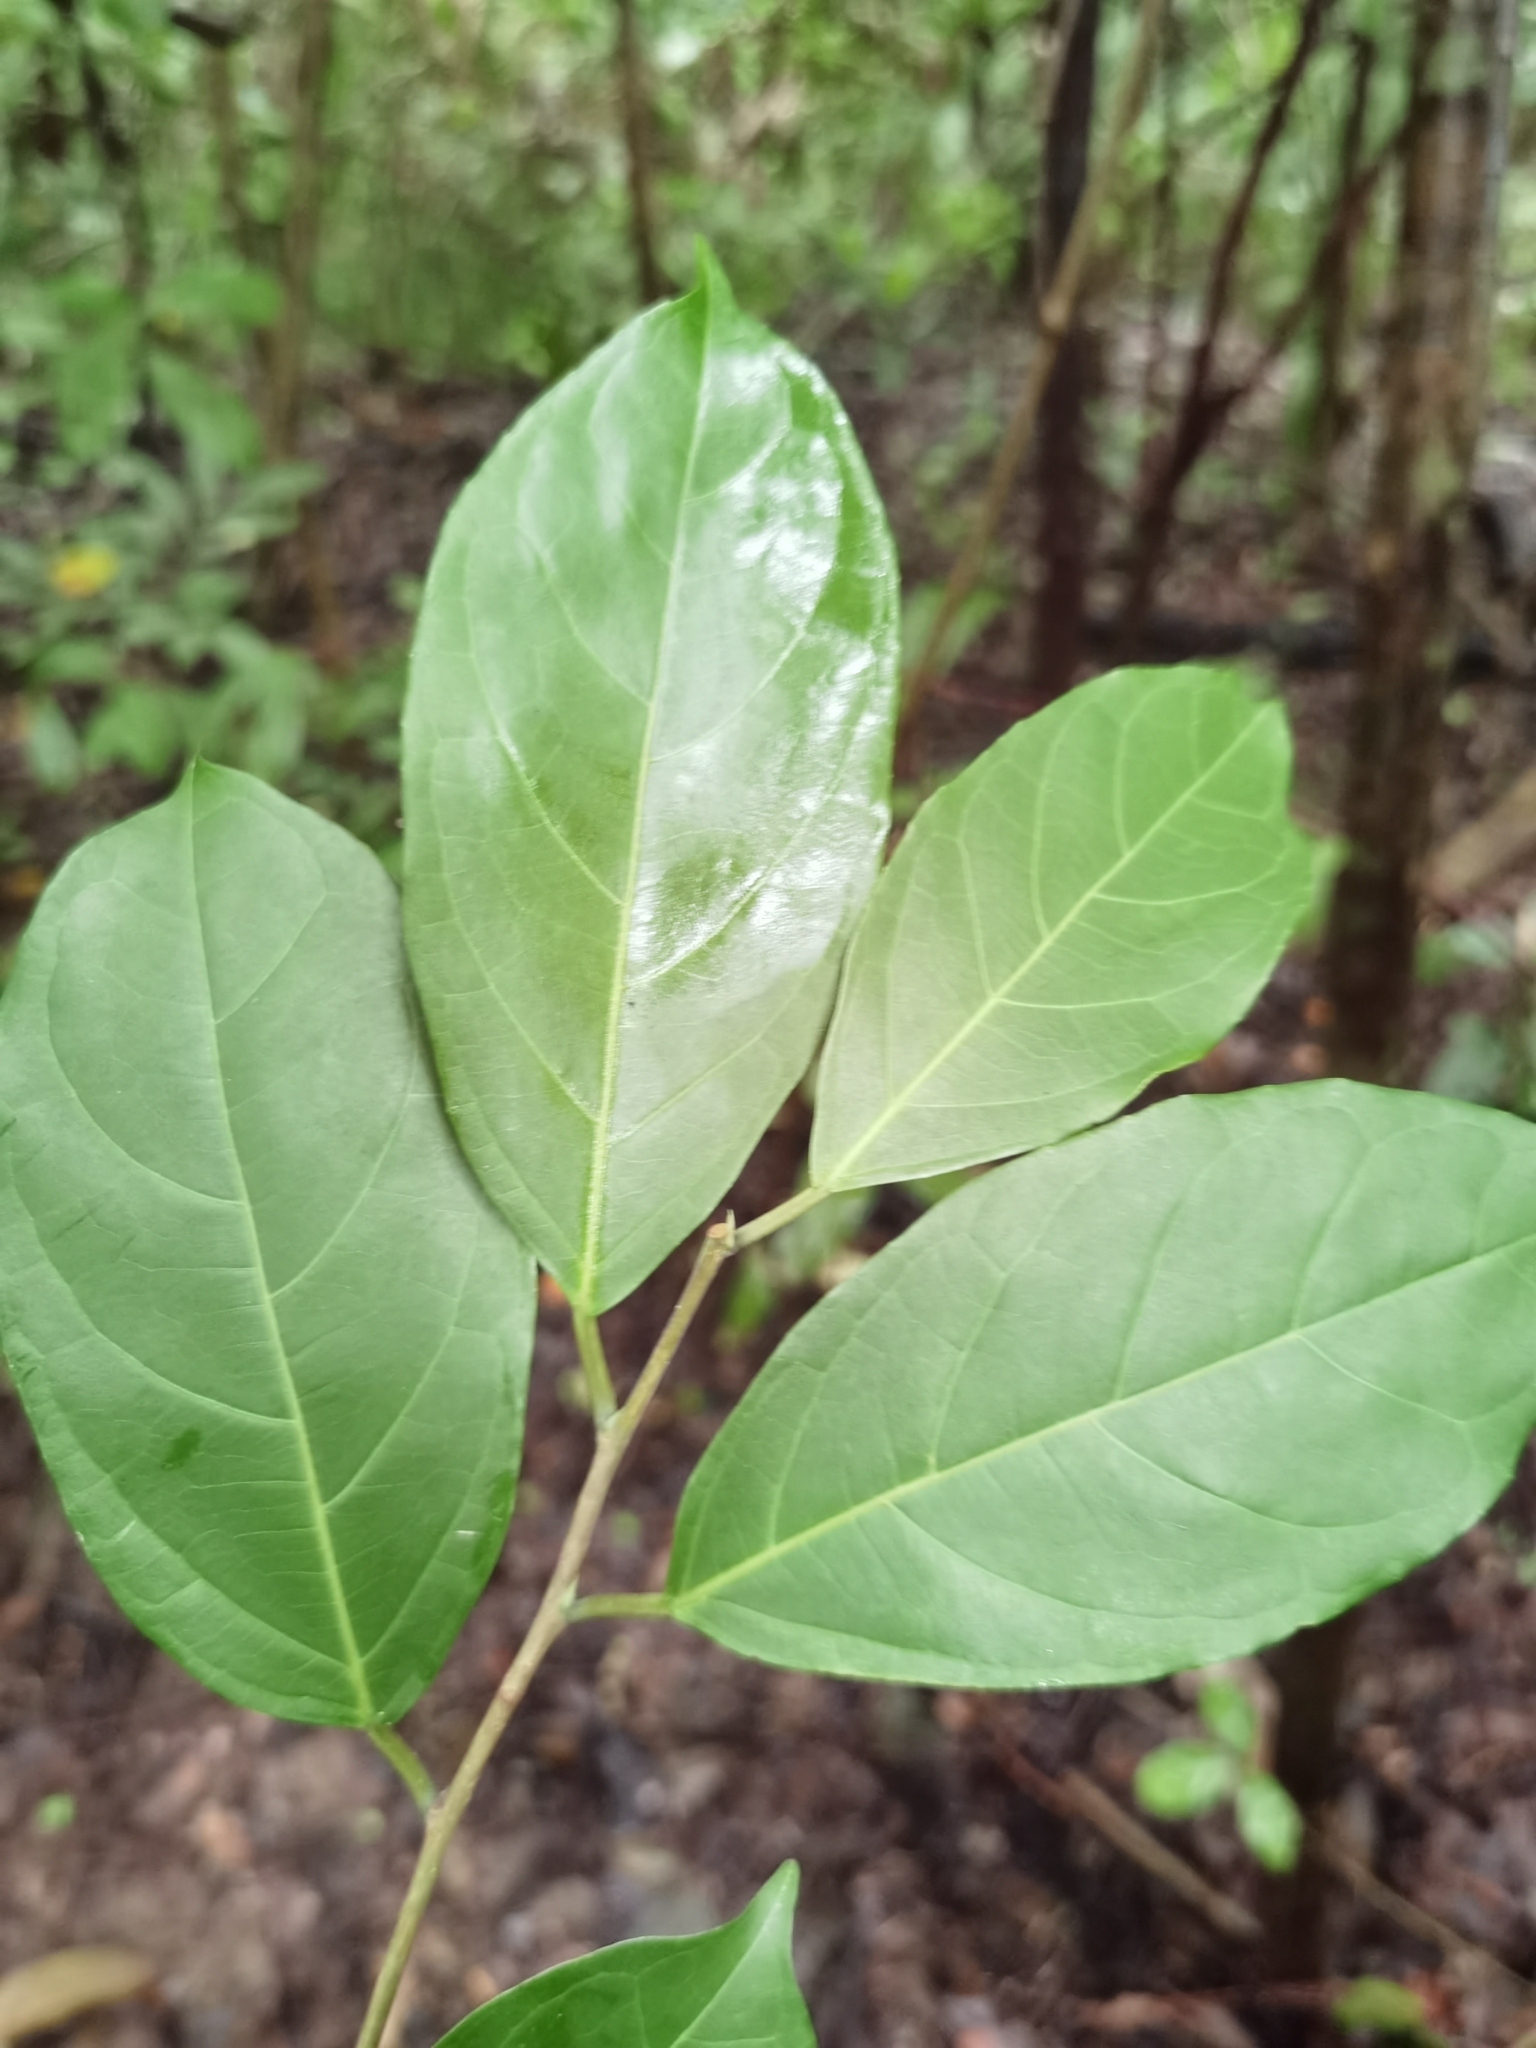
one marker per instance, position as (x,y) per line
(1329,407)
(1052,318)
(1432,386)
(1065,534)
(635,96)
(1165,226)
(301,229)
(224,119)
(288,346)
(119,159)
(1167,467)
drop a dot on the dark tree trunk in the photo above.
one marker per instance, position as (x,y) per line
(1330,407)
(1165,226)
(301,229)
(1203,403)
(1066,492)
(288,345)
(1431,409)
(637,145)
(1451,152)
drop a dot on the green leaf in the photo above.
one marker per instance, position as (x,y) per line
(1475,1061)
(140,725)
(1144,1401)
(1095,900)
(76,660)
(1268,1821)
(1377,2005)
(251,1296)
(1228,1713)
(214,294)
(53,750)
(647,749)
(1486,943)
(735,1985)
(93,381)
(1183,1779)
(217,425)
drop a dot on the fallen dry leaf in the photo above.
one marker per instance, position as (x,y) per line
(71,1981)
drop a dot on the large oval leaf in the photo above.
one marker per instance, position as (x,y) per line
(1153,1398)
(1096,899)
(734,1986)
(647,751)
(272,1338)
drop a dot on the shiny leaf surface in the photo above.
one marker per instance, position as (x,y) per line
(273,1340)
(1096,899)
(731,1988)
(647,753)
(1144,1401)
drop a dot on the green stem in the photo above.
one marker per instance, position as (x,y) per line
(398,1753)
(594,1366)
(775,1219)
(613,1438)
(600,1606)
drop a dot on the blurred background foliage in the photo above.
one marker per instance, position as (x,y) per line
(869,172)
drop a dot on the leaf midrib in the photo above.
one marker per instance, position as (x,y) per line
(595,1206)
(920,1482)
(314,1499)
(834,1177)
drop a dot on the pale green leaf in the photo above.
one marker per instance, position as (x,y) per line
(272,1339)
(1135,1404)
(1096,899)
(1377,2005)
(647,751)
(1229,1714)
(1268,1821)
(731,1988)
(1183,1779)
(219,428)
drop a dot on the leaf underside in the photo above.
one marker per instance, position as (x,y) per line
(1095,900)
(253,1299)
(731,1988)
(647,756)
(1150,1399)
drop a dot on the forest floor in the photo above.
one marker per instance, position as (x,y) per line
(953,1893)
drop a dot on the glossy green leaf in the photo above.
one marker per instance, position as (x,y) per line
(273,1340)
(731,1988)
(1138,1403)
(1183,1779)
(1096,899)
(1268,1821)
(647,749)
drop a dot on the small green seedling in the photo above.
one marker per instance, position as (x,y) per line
(1182,1780)
(53,1814)
(1379,2010)
(280,1147)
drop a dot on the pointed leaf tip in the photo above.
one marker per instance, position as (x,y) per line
(709,277)
(739,1978)
(1088,1485)
(679,552)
